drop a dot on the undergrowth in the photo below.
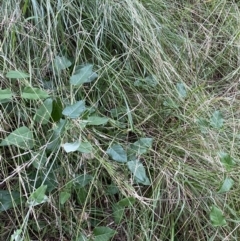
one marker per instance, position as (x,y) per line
(119,120)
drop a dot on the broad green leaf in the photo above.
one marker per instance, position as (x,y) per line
(57,109)
(138,171)
(62,63)
(17,235)
(182,92)
(21,137)
(139,147)
(83,74)
(226,160)
(85,147)
(17,74)
(39,159)
(9,199)
(43,114)
(55,139)
(82,195)
(82,180)
(96,120)
(5,94)
(112,189)
(227,185)
(38,196)
(81,237)
(75,110)
(31,93)
(103,233)
(216,120)
(118,212)
(117,153)
(126,202)
(71,147)
(170,103)
(203,125)
(64,196)
(217,218)
(146,82)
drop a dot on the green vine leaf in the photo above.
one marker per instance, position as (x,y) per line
(83,74)
(117,153)
(21,137)
(75,110)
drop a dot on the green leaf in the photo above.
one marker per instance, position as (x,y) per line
(57,109)
(117,153)
(85,147)
(81,237)
(75,110)
(38,196)
(31,93)
(96,120)
(71,147)
(5,94)
(17,235)
(17,74)
(103,233)
(216,120)
(43,114)
(226,160)
(138,171)
(64,196)
(9,199)
(82,180)
(83,74)
(227,185)
(217,217)
(39,159)
(126,202)
(55,139)
(182,92)
(118,212)
(203,125)
(148,81)
(21,137)
(139,147)
(61,63)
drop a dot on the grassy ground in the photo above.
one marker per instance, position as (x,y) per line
(144,144)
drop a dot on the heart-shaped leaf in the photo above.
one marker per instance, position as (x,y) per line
(61,63)
(31,93)
(96,120)
(182,92)
(63,197)
(82,180)
(38,196)
(138,171)
(43,114)
(216,120)
(85,147)
(103,233)
(17,74)
(226,160)
(75,110)
(21,137)
(226,186)
(5,94)
(83,74)
(117,153)
(8,199)
(217,217)
(71,147)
